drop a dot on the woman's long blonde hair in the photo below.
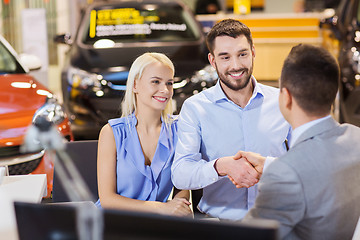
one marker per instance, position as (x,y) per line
(128,105)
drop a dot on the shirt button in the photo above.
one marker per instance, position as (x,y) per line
(214,179)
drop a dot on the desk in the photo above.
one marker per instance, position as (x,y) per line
(24,188)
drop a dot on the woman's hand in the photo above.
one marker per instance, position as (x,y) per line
(178,207)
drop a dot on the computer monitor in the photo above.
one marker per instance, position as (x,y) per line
(54,221)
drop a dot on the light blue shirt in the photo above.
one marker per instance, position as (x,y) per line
(135,179)
(211,126)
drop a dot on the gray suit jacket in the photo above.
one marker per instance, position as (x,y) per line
(314,189)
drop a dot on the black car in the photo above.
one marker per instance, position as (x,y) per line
(110,36)
(342,37)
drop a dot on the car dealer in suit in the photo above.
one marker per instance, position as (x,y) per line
(313,190)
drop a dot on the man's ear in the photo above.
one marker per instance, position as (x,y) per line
(287,98)
(211,59)
(253,51)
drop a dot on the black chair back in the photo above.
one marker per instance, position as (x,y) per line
(84,156)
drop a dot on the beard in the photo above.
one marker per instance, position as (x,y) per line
(236,84)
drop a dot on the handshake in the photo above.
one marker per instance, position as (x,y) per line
(244,169)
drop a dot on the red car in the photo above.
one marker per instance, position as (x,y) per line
(22,100)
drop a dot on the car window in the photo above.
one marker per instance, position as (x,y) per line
(8,63)
(140,24)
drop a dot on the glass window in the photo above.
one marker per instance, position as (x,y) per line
(11,15)
(140,24)
(8,63)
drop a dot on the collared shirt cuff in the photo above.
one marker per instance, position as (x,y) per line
(268,160)
(213,175)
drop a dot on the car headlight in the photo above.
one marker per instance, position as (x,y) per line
(208,74)
(82,79)
(51,110)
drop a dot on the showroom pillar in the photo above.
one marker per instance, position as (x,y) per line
(34,38)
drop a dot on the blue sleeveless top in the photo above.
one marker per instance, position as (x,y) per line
(135,179)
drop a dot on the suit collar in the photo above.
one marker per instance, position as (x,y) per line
(317,129)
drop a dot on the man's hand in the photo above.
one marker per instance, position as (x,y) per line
(239,171)
(254,159)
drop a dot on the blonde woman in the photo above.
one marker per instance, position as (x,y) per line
(136,151)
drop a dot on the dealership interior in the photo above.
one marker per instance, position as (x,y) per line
(64,68)
(63,16)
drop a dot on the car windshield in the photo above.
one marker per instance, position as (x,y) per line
(8,63)
(144,23)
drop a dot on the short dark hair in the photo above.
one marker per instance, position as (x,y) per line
(228,27)
(311,75)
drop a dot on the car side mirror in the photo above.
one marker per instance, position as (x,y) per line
(32,62)
(63,38)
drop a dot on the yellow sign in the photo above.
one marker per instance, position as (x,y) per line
(92,31)
(119,16)
(114,18)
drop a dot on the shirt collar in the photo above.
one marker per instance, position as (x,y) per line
(296,133)
(257,89)
(131,120)
(165,135)
(219,95)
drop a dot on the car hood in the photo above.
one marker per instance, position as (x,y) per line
(187,59)
(20,97)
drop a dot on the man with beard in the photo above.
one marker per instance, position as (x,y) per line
(237,114)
